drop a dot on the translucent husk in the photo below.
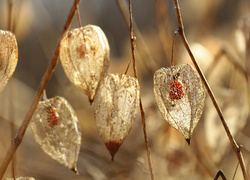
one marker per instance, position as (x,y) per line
(84,54)
(115,109)
(184,113)
(61,142)
(8,57)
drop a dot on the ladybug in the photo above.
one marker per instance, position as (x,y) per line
(176,88)
(52,117)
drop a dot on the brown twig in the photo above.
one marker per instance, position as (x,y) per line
(235,146)
(79,18)
(11,93)
(235,171)
(13,128)
(132,43)
(220,174)
(172,53)
(163,26)
(45,79)
(10,5)
(143,48)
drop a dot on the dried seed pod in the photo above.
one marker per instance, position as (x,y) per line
(116,104)
(84,54)
(60,140)
(8,57)
(180,96)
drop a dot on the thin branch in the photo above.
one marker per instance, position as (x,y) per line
(163,26)
(231,58)
(143,48)
(235,171)
(11,109)
(220,174)
(79,18)
(172,53)
(10,7)
(45,79)
(128,67)
(235,146)
(11,93)
(132,43)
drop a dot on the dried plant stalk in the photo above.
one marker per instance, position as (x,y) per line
(236,147)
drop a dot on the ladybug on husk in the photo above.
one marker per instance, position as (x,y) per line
(176,88)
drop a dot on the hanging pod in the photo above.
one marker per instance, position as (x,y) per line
(8,57)
(115,106)
(55,128)
(180,96)
(84,54)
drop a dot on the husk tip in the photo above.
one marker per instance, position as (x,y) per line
(188,141)
(74,170)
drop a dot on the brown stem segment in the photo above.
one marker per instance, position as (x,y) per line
(132,43)
(45,79)
(148,60)
(11,92)
(235,146)
(10,8)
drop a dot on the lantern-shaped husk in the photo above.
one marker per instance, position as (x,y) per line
(55,128)
(115,109)
(180,96)
(84,54)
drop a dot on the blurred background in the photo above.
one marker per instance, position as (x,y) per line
(218,33)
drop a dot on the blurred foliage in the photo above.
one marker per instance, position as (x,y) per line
(210,26)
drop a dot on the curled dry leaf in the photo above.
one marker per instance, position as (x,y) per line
(180,96)
(84,54)
(55,128)
(21,178)
(8,57)
(116,105)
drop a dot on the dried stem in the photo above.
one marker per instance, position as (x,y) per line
(132,43)
(172,53)
(147,57)
(11,93)
(235,146)
(220,174)
(79,18)
(235,171)
(127,67)
(45,79)
(162,25)
(10,5)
